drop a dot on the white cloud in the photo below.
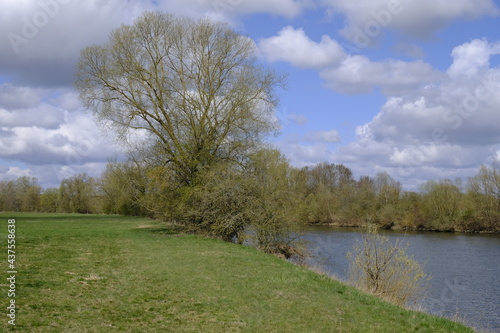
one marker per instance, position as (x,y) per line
(41,116)
(305,154)
(298,119)
(357,74)
(51,175)
(38,146)
(311,148)
(449,156)
(43,38)
(470,58)
(434,124)
(460,110)
(366,20)
(47,133)
(497,156)
(441,130)
(411,164)
(44,131)
(353,74)
(224,8)
(294,46)
(18,97)
(15,172)
(284,117)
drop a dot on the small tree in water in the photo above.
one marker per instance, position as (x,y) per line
(383,268)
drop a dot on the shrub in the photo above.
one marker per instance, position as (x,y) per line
(383,268)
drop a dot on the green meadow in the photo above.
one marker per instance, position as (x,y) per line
(100,273)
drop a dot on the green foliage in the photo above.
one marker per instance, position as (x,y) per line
(327,189)
(122,187)
(442,203)
(193,87)
(226,198)
(49,200)
(411,211)
(272,204)
(254,200)
(483,194)
(78,194)
(219,205)
(21,194)
(203,104)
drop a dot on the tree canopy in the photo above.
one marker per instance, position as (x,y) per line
(192,90)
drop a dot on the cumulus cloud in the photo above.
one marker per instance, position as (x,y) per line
(19,97)
(472,57)
(433,124)
(309,148)
(411,164)
(447,128)
(294,46)
(496,158)
(358,74)
(15,172)
(43,131)
(367,19)
(51,175)
(350,74)
(302,154)
(44,38)
(41,116)
(459,110)
(71,143)
(221,9)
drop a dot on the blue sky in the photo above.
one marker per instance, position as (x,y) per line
(407,87)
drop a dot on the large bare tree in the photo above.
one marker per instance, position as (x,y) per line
(194,89)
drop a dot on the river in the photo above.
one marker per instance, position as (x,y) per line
(465,269)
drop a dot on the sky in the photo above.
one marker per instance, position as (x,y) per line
(411,88)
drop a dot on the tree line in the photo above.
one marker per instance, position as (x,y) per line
(192,105)
(269,188)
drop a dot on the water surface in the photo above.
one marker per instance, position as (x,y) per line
(465,269)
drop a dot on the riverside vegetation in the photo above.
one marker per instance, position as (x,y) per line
(192,105)
(102,273)
(323,194)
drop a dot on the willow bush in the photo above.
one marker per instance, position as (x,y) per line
(384,268)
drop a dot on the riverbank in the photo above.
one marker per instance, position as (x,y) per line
(396,227)
(97,273)
(464,282)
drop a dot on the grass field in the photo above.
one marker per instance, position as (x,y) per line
(90,273)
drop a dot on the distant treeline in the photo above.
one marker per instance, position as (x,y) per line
(323,194)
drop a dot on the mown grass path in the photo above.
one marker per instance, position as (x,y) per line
(91,273)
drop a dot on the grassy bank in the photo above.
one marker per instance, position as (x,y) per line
(80,273)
